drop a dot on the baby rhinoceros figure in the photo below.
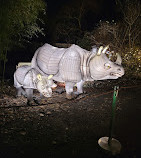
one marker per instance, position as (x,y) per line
(26,79)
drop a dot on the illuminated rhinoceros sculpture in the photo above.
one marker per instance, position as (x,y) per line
(75,65)
(26,79)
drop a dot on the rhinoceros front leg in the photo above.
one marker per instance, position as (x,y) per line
(69,89)
(79,87)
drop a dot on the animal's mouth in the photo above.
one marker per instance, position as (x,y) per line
(116,74)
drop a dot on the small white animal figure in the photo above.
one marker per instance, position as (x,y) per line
(26,79)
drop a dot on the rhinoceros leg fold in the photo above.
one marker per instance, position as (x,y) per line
(69,90)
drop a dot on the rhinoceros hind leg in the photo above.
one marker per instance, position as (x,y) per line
(29,93)
(24,93)
(69,90)
(20,91)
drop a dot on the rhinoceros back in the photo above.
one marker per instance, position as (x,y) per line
(21,73)
(66,64)
(69,66)
(47,58)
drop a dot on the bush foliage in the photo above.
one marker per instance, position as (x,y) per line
(111,34)
(19,21)
(132,62)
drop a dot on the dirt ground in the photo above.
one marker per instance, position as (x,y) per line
(71,128)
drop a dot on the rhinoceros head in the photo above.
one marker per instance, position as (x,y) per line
(45,85)
(101,67)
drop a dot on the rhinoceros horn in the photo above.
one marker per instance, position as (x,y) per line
(104,50)
(119,60)
(99,50)
(49,77)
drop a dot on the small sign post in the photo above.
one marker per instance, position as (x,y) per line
(109,143)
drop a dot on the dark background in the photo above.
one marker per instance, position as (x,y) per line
(96,10)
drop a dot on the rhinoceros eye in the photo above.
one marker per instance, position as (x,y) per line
(107,66)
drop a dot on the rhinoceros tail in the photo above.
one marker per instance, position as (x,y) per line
(16,83)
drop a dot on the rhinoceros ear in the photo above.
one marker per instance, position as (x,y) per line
(99,50)
(119,60)
(104,50)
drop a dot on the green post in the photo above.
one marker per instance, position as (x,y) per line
(113,114)
(109,143)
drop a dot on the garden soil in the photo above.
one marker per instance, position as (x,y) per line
(71,128)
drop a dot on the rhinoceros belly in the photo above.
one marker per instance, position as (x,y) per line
(48,58)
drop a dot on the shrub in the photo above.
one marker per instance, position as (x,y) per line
(111,34)
(132,62)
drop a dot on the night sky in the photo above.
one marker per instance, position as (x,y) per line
(106,8)
(96,10)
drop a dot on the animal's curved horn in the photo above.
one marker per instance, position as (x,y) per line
(99,50)
(119,60)
(50,76)
(104,50)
